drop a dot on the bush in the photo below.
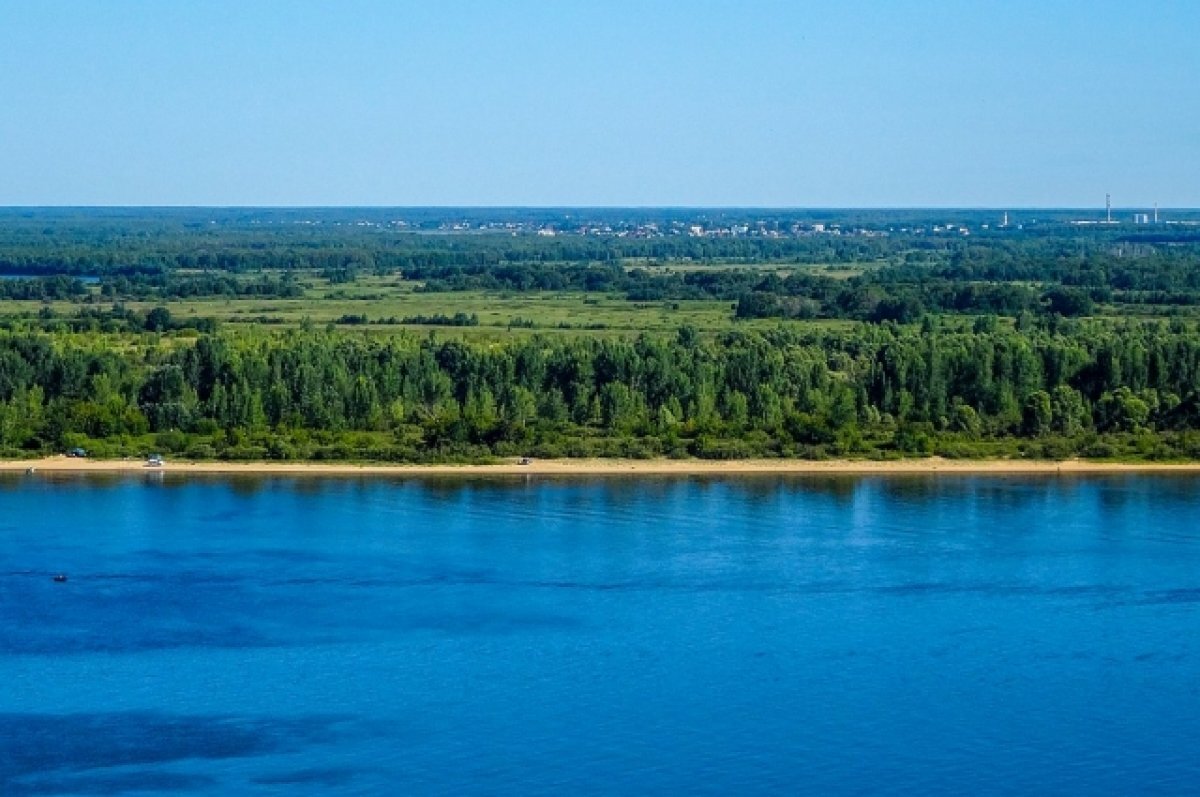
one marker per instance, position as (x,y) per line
(244,453)
(1055,449)
(1100,449)
(172,441)
(704,447)
(641,448)
(200,451)
(914,438)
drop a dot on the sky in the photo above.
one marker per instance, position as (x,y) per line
(891,103)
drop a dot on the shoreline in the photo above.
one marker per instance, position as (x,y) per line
(607,467)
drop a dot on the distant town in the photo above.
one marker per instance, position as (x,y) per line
(647,223)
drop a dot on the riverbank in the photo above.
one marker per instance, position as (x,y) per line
(606,467)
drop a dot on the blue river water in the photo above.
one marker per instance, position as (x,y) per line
(760,635)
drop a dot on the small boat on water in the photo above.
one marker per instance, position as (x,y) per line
(60,578)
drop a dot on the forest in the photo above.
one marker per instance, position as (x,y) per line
(129,335)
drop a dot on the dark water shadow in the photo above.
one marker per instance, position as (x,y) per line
(325,776)
(52,753)
(111,783)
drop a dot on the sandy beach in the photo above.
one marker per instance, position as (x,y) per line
(604,467)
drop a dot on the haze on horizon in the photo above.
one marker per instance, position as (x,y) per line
(761,103)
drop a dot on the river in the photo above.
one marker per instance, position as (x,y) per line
(760,635)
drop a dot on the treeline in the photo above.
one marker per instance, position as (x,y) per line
(116,319)
(185,286)
(45,289)
(886,390)
(407,252)
(877,301)
(162,285)
(1120,266)
(435,320)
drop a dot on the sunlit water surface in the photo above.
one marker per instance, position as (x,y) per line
(883,635)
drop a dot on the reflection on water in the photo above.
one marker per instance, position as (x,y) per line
(536,635)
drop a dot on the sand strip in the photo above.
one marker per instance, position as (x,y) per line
(603,467)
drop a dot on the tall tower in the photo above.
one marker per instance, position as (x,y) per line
(1108,208)
(1156,213)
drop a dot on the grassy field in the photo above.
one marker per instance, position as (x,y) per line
(836,271)
(388,301)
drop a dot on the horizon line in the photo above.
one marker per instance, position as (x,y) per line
(776,208)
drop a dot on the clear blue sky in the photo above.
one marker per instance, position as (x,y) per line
(789,103)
